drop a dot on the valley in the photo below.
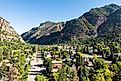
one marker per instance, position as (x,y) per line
(87,48)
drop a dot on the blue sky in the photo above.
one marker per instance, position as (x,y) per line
(26,14)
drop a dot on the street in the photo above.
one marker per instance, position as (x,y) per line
(35,69)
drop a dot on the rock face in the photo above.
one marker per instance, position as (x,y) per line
(90,24)
(7,33)
(44,29)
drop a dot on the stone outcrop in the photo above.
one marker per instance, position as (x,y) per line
(7,33)
(45,29)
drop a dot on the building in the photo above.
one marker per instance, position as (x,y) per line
(90,50)
(56,65)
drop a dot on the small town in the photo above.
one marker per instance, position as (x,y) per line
(60,40)
(61,56)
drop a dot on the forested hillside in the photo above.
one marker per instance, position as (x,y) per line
(96,23)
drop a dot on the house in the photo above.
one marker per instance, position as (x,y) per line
(38,55)
(6,62)
(48,55)
(56,65)
(90,50)
(117,54)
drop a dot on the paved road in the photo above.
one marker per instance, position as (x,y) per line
(34,69)
(37,61)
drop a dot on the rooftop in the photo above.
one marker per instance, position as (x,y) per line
(55,61)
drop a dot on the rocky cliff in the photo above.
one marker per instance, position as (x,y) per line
(7,33)
(45,29)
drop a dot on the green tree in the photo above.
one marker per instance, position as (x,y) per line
(98,77)
(48,64)
(101,72)
(1,54)
(115,48)
(83,73)
(68,62)
(116,69)
(98,63)
(40,78)
(99,47)
(56,76)
(64,54)
(67,71)
(106,52)
(102,75)
(78,58)
(63,75)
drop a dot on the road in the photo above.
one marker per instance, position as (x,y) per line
(37,62)
(35,67)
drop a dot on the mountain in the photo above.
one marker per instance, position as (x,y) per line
(7,33)
(112,27)
(90,24)
(44,29)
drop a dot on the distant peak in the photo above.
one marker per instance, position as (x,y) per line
(48,22)
(113,5)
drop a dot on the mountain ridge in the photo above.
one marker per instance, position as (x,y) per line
(44,29)
(86,26)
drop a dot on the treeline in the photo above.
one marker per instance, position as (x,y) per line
(15,60)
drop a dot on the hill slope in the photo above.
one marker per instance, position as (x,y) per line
(86,26)
(7,33)
(112,27)
(44,29)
